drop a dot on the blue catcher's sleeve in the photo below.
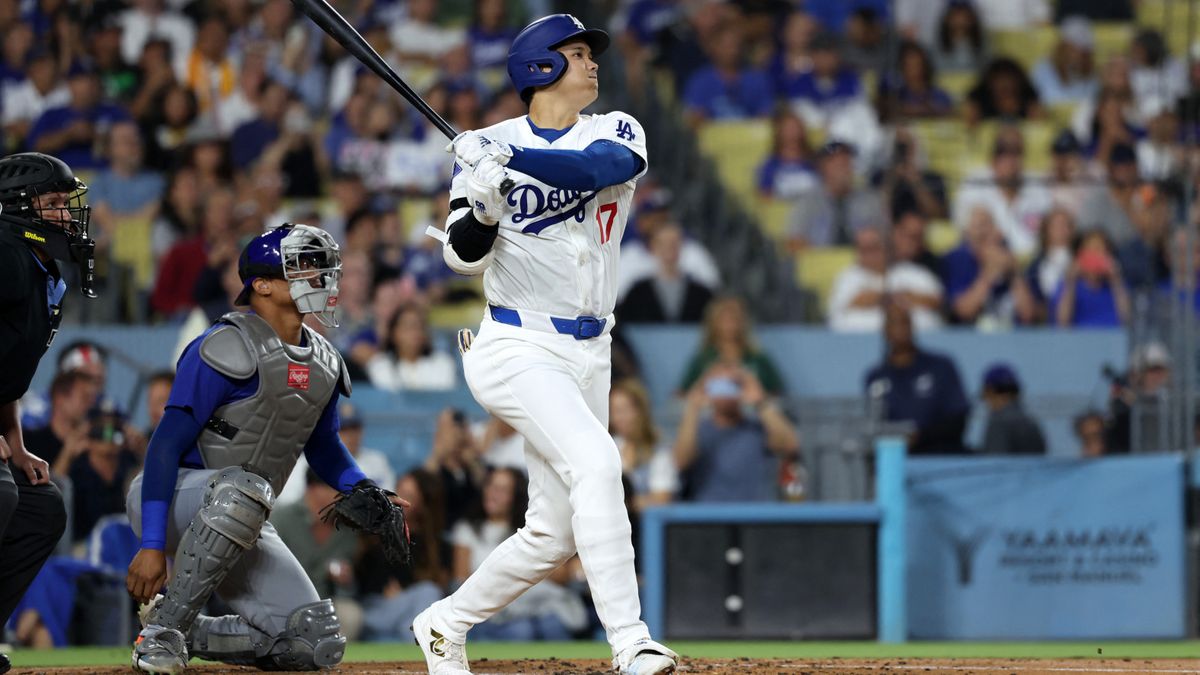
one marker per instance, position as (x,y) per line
(599,165)
(174,436)
(328,456)
(198,391)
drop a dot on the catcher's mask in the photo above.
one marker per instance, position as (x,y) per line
(306,257)
(43,204)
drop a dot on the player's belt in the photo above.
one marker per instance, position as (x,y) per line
(581,327)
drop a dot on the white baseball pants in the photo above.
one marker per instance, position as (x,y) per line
(553,389)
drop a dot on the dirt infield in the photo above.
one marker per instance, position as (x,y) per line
(746,666)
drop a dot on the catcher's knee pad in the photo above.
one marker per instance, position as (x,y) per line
(236,504)
(312,640)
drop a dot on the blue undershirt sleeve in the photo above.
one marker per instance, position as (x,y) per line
(327,455)
(599,165)
(198,391)
(173,437)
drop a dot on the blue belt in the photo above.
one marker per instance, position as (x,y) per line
(581,328)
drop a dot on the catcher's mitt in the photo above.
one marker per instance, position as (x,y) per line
(367,508)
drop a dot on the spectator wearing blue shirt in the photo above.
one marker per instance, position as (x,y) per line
(983,286)
(1092,294)
(488,36)
(71,132)
(788,172)
(919,387)
(829,86)
(251,138)
(726,456)
(915,94)
(727,89)
(833,14)
(793,57)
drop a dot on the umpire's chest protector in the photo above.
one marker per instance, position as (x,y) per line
(268,430)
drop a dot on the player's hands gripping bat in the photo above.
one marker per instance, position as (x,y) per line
(471,148)
(484,183)
(369,508)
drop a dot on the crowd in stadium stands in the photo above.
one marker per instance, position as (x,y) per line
(198,123)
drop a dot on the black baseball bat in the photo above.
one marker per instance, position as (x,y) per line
(336,26)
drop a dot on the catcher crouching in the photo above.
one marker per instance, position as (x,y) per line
(250,394)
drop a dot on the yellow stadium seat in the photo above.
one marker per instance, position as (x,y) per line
(1038,135)
(957,84)
(817,268)
(1112,39)
(132,248)
(738,148)
(1026,46)
(773,217)
(1171,18)
(413,211)
(944,142)
(941,236)
(457,315)
(1061,114)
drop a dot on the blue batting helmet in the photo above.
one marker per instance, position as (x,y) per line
(535,48)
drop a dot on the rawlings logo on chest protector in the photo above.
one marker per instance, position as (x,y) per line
(297,377)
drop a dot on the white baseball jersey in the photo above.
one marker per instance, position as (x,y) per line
(556,251)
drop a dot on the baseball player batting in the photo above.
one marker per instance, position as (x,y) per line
(250,394)
(541,362)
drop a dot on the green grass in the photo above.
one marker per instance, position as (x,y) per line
(99,656)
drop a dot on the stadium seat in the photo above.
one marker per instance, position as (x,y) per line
(1026,46)
(738,148)
(414,212)
(132,249)
(817,268)
(945,144)
(1112,39)
(957,84)
(1038,135)
(1061,114)
(941,236)
(1171,18)
(457,315)
(773,218)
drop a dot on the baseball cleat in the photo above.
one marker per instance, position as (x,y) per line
(159,650)
(645,657)
(441,655)
(145,610)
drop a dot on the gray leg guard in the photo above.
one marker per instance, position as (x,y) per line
(226,638)
(311,640)
(236,505)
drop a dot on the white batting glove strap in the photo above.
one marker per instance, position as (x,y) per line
(483,191)
(471,148)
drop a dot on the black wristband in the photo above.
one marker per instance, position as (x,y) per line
(470,238)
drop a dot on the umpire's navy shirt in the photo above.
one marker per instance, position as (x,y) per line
(30,297)
(928,393)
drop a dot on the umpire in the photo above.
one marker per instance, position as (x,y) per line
(43,219)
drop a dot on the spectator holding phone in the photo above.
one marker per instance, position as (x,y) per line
(725,454)
(1092,294)
(100,467)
